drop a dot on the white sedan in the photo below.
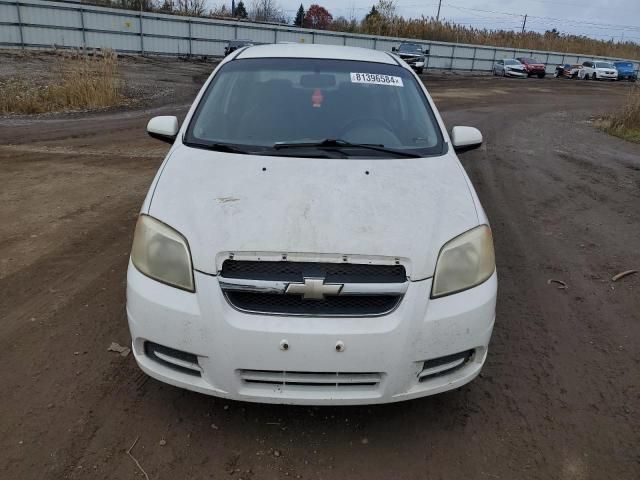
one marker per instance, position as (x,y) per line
(311,237)
(598,71)
(509,67)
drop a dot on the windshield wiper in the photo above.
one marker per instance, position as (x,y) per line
(217,147)
(339,144)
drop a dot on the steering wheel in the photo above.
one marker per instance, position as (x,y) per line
(364,122)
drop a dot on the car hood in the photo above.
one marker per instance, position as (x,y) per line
(515,67)
(396,208)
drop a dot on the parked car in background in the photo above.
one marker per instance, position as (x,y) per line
(598,70)
(533,67)
(567,71)
(414,54)
(626,71)
(311,237)
(509,67)
(234,45)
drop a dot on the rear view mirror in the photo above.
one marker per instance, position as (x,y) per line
(465,138)
(318,80)
(163,128)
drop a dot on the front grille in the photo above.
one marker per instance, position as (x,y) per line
(297,271)
(348,305)
(312,380)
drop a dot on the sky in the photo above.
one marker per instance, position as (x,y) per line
(605,19)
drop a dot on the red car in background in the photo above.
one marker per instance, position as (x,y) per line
(533,66)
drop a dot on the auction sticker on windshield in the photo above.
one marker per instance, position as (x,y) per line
(376,79)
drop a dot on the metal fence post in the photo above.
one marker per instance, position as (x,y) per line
(375,43)
(275,35)
(235,32)
(473,60)
(20,24)
(453,55)
(313,37)
(84,34)
(141,36)
(426,67)
(190,48)
(344,40)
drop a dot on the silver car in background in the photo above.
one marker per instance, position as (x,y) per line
(509,67)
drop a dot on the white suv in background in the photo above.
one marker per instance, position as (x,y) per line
(598,70)
(311,236)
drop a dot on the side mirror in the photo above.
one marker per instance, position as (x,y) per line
(465,138)
(163,128)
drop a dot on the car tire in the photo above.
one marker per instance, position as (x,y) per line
(541,75)
(594,76)
(556,74)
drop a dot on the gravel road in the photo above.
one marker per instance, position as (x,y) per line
(559,397)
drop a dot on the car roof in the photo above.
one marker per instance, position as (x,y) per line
(301,50)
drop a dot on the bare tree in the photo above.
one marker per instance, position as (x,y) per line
(266,11)
(194,8)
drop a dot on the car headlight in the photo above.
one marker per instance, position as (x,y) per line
(464,262)
(160,252)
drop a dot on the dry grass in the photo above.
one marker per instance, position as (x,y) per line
(79,80)
(626,123)
(429,29)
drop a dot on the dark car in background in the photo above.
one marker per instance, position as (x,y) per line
(567,71)
(626,71)
(533,67)
(414,54)
(234,45)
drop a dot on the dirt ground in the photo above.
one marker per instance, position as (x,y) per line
(559,397)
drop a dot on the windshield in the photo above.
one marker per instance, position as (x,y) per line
(410,48)
(623,65)
(531,60)
(259,103)
(512,62)
(604,65)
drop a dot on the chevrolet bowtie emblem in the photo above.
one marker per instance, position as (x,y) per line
(313,289)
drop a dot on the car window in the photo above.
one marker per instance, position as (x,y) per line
(511,62)
(604,65)
(261,102)
(410,48)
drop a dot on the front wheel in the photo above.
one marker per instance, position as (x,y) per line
(541,75)
(594,76)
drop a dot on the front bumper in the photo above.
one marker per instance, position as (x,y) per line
(229,343)
(516,73)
